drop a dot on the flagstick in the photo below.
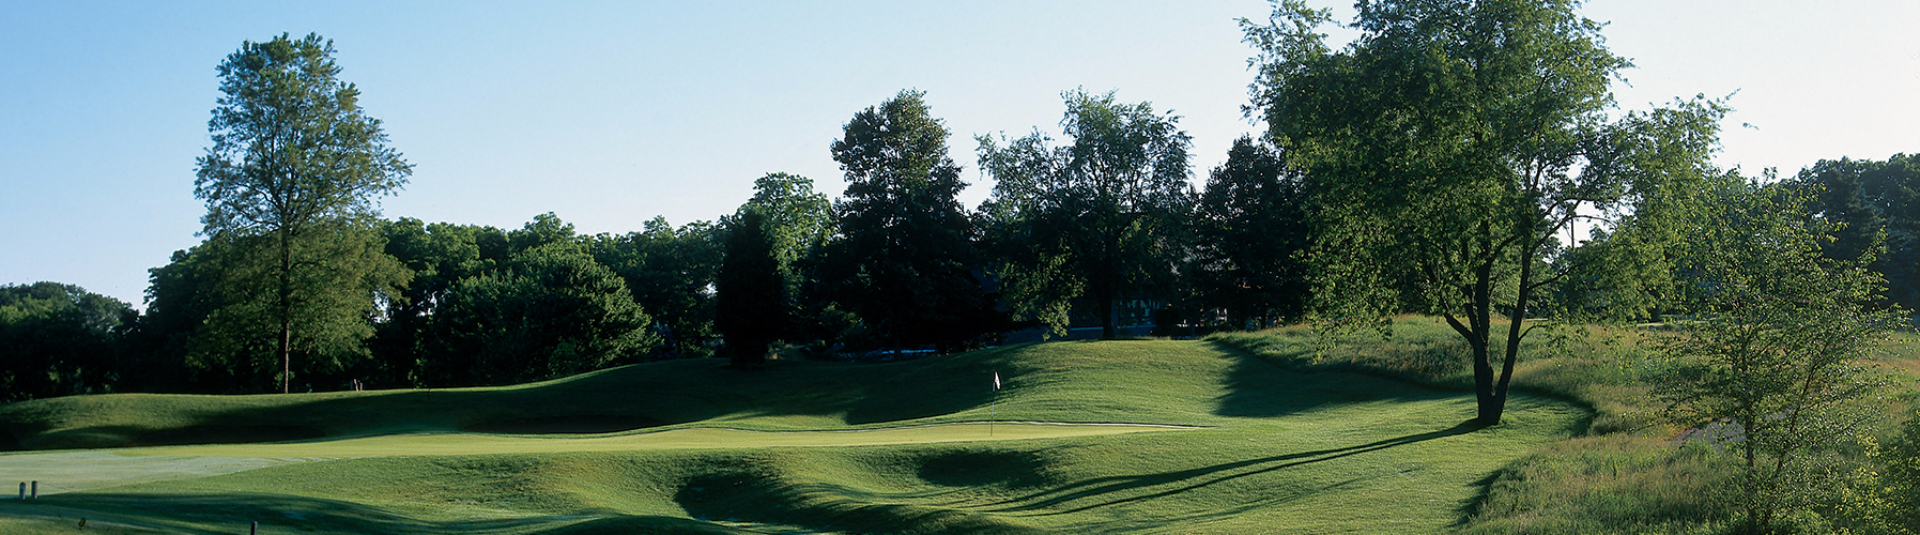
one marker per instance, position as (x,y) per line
(993,412)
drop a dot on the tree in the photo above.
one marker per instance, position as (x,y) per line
(798,218)
(550,311)
(439,255)
(294,168)
(904,257)
(1875,200)
(1101,216)
(57,339)
(1448,145)
(750,301)
(1773,362)
(537,305)
(671,273)
(1250,230)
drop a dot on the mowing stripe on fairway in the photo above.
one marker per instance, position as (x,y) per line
(87,470)
(674,439)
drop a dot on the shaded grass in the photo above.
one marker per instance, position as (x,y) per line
(1281,452)
(1605,368)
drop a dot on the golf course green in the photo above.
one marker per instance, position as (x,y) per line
(1086,437)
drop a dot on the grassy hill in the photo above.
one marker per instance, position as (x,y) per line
(1219,442)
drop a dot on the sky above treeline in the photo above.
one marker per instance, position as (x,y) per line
(611,113)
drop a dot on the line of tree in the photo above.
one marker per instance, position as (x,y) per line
(1432,166)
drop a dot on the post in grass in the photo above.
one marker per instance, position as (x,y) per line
(993,412)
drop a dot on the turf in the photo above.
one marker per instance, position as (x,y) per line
(1220,442)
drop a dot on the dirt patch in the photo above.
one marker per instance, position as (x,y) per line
(226,434)
(567,425)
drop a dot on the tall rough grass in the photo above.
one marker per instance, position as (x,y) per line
(1628,471)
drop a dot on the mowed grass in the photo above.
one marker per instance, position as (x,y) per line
(807,447)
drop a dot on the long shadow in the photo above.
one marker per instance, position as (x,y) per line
(1257,387)
(276,513)
(1196,478)
(609,401)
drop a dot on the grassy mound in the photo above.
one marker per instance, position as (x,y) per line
(809,447)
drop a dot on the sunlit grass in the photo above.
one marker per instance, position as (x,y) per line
(1624,473)
(887,448)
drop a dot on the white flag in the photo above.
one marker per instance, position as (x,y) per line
(996,381)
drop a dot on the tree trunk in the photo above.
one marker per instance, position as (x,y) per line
(286,313)
(1516,324)
(1492,400)
(1109,325)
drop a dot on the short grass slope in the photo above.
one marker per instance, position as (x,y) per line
(1087,437)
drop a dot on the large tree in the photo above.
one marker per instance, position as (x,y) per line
(904,257)
(1098,218)
(798,218)
(1250,229)
(1448,146)
(750,305)
(294,169)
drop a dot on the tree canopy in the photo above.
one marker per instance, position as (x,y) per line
(1250,233)
(904,257)
(750,302)
(1449,144)
(290,183)
(1099,218)
(58,339)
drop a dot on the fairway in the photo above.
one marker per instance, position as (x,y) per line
(97,469)
(1108,437)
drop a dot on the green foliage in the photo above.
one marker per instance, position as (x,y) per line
(750,302)
(439,255)
(799,219)
(1773,365)
(289,182)
(903,260)
(1899,497)
(1251,233)
(1102,218)
(548,311)
(219,310)
(1872,202)
(58,339)
(671,274)
(1448,146)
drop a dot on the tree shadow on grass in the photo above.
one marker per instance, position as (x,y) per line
(276,513)
(1108,491)
(828,508)
(1259,388)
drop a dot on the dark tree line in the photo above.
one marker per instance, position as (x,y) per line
(1874,203)
(299,283)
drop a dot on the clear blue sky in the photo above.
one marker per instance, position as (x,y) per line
(609,114)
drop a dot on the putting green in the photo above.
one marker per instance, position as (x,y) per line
(87,470)
(674,439)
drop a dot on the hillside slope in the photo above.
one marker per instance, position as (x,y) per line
(1274,451)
